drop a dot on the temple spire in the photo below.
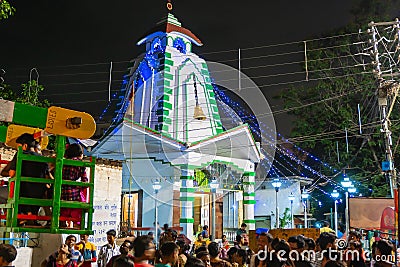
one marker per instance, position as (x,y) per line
(169,5)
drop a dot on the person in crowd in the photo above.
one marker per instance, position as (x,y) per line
(75,255)
(169,255)
(238,257)
(239,242)
(63,258)
(214,251)
(224,245)
(123,262)
(167,235)
(326,228)
(242,229)
(8,253)
(324,242)
(383,254)
(108,250)
(297,244)
(204,233)
(341,230)
(331,257)
(355,258)
(264,241)
(151,235)
(144,251)
(28,169)
(71,192)
(204,256)
(354,236)
(309,243)
(87,249)
(194,262)
(335,264)
(183,252)
(280,255)
(200,249)
(374,238)
(124,249)
(200,241)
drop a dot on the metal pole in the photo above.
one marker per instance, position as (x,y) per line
(213,216)
(347,213)
(109,82)
(234,211)
(305,213)
(336,222)
(291,212)
(129,212)
(239,78)
(155,221)
(277,209)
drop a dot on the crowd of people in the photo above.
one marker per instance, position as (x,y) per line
(170,249)
(176,250)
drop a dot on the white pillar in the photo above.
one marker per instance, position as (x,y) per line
(186,202)
(347,214)
(336,219)
(305,214)
(248,198)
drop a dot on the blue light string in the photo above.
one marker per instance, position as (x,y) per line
(124,82)
(227,100)
(272,170)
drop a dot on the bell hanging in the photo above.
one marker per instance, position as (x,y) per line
(198,113)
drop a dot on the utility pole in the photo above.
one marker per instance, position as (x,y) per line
(387,91)
(384,53)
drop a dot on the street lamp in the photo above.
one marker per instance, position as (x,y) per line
(348,185)
(276,184)
(156,187)
(214,186)
(335,195)
(305,196)
(291,198)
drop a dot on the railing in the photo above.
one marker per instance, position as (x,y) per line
(12,216)
(18,241)
(138,231)
(230,234)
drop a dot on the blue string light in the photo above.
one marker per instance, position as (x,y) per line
(224,98)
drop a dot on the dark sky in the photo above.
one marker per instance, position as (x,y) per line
(60,37)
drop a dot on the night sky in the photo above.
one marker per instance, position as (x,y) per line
(71,43)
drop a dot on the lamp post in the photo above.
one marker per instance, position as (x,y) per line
(156,187)
(347,184)
(276,184)
(335,195)
(305,196)
(291,198)
(214,186)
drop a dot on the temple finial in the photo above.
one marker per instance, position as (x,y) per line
(169,5)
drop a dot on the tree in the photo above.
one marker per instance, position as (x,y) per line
(339,80)
(286,219)
(29,94)
(6,10)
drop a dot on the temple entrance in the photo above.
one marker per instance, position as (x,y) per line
(130,211)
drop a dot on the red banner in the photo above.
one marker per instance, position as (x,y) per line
(388,219)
